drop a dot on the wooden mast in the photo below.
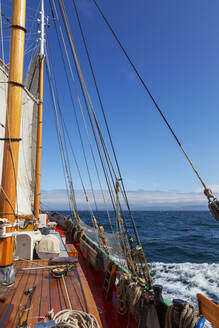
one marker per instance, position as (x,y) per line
(12,130)
(40,119)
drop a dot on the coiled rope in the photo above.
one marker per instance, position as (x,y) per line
(121,293)
(133,294)
(188,319)
(128,294)
(73,319)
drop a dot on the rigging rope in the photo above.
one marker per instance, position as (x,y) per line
(158,108)
(88,104)
(93,120)
(106,153)
(84,121)
(102,108)
(76,118)
(142,256)
(55,111)
(100,235)
(90,111)
(99,97)
(85,93)
(66,162)
(33,21)
(63,144)
(5,17)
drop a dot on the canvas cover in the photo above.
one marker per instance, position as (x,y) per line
(28,135)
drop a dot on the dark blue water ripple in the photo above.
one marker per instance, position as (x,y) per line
(172,236)
(181,236)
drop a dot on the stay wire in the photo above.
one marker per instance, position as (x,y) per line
(148,92)
(54,110)
(67,167)
(65,164)
(103,111)
(48,71)
(87,101)
(73,153)
(6,18)
(85,94)
(65,152)
(31,27)
(97,89)
(105,150)
(159,110)
(76,119)
(132,219)
(77,97)
(88,104)
(63,142)
(85,125)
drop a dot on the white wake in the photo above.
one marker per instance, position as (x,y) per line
(185,280)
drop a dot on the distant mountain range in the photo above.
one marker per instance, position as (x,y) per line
(139,200)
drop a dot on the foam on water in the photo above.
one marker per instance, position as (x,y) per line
(185,280)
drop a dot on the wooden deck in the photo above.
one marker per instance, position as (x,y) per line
(49,294)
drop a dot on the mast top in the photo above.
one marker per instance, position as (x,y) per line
(42,29)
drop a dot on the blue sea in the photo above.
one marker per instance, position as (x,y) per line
(182,248)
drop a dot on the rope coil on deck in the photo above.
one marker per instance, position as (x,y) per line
(188,319)
(73,319)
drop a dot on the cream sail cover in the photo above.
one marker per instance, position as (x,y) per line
(48,247)
(28,135)
(27,156)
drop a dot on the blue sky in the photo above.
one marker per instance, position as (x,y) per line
(175,47)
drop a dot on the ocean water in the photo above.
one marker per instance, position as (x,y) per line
(182,249)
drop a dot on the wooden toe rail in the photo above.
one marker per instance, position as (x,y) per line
(209,310)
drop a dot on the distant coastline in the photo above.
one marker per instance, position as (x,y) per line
(140,200)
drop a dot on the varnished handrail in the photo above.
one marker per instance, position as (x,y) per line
(209,310)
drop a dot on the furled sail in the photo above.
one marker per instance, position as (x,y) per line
(28,135)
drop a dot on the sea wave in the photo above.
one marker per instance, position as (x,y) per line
(185,280)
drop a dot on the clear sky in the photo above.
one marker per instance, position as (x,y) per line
(175,47)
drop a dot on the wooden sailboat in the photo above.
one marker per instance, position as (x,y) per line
(67,284)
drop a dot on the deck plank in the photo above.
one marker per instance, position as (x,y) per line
(74,293)
(74,282)
(91,306)
(50,292)
(19,298)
